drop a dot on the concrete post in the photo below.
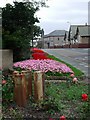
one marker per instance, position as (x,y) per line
(38,86)
(28,78)
(20,95)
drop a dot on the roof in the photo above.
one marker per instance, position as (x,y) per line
(83,30)
(56,33)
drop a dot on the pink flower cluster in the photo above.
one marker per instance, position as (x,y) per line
(43,65)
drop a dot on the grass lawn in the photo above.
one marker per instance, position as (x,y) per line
(60,99)
(66,100)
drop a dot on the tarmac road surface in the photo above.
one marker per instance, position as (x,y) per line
(78,57)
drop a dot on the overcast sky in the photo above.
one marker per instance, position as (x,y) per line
(60,14)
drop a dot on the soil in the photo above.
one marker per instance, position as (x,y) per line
(26,112)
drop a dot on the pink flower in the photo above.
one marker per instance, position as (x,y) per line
(75,80)
(62,118)
(44,65)
(4,81)
(72,75)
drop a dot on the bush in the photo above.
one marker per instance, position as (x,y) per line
(7,90)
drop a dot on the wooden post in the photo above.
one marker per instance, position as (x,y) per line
(28,78)
(20,89)
(38,86)
(14,73)
(14,78)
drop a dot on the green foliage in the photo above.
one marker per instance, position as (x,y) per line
(50,104)
(7,90)
(19,28)
(16,114)
(49,73)
(65,99)
(13,113)
(18,69)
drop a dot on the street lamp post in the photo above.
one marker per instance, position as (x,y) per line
(69,25)
(42,36)
(69,34)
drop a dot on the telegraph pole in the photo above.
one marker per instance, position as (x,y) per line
(42,38)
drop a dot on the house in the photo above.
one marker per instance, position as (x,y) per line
(78,34)
(54,39)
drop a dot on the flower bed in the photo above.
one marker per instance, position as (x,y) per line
(36,50)
(45,65)
(39,56)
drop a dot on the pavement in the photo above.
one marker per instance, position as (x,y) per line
(78,57)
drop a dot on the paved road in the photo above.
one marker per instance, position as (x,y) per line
(79,58)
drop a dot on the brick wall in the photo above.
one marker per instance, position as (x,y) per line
(84,46)
(80,45)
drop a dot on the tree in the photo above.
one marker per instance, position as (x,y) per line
(19,27)
(39,3)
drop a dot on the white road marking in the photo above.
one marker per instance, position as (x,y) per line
(85,66)
(86,57)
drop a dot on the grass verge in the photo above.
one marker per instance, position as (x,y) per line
(67,101)
(77,72)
